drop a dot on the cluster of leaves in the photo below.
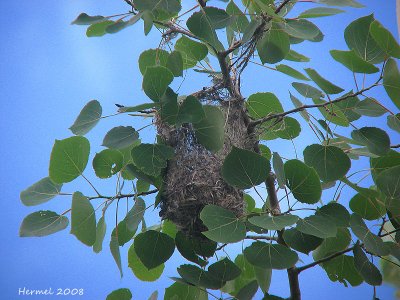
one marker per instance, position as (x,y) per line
(329,233)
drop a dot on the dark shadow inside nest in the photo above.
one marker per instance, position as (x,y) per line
(193,178)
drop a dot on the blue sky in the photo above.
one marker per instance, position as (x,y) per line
(48,71)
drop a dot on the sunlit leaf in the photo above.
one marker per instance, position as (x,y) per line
(120,137)
(391,81)
(120,294)
(317,12)
(324,84)
(139,269)
(376,140)
(274,46)
(274,222)
(318,226)
(156,79)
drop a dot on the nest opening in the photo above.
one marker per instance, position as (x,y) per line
(193,177)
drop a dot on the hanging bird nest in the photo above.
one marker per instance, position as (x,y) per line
(193,177)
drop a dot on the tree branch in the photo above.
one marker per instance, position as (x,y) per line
(273,198)
(293,275)
(389,233)
(301,108)
(261,237)
(305,267)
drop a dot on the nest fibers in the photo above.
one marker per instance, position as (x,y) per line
(193,177)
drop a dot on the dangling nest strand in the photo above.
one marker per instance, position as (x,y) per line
(193,177)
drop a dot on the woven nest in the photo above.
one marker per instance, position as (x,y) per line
(193,177)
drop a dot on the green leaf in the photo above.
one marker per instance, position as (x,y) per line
(307,90)
(100,234)
(279,170)
(196,276)
(271,256)
(223,226)
(175,63)
(210,131)
(288,129)
(83,219)
(318,226)
(297,103)
(239,21)
(244,169)
(353,62)
(136,108)
(332,113)
(180,291)
(274,222)
(161,9)
(388,181)
(368,205)
(376,140)
(192,51)
(274,45)
(263,277)
(151,158)
(265,151)
(369,107)
(139,270)
(120,294)
(262,104)
(185,246)
(201,25)
(121,24)
(169,107)
(152,58)
(190,111)
(393,121)
(107,163)
(384,39)
(300,241)
(324,84)
(342,269)
(153,248)
(155,81)
(330,162)
(142,186)
(358,37)
(122,232)
(40,192)
(85,19)
(248,291)
(291,72)
(120,137)
(218,17)
(114,249)
(382,163)
(295,56)
(224,270)
(317,12)
(367,270)
(42,223)
(68,159)
(250,30)
(391,81)
(303,181)
(135,215)
(351,3)
(333,245)
(336,213)
(98,29)
(87,119)
(301,29)
(371,242)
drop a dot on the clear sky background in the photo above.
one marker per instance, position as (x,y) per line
(49,70)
